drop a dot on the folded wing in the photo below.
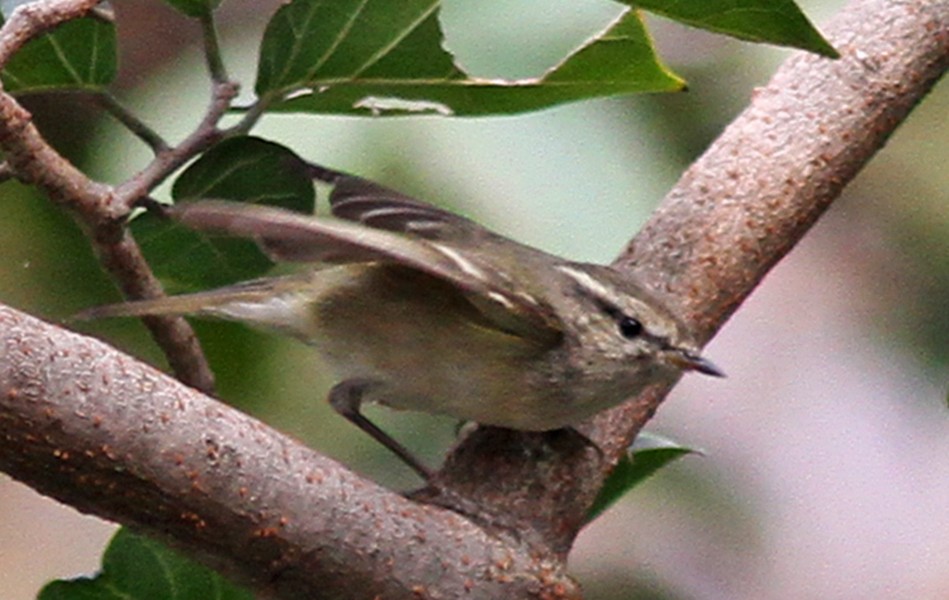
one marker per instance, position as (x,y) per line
(292,237)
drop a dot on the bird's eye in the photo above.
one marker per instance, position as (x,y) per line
(630,327)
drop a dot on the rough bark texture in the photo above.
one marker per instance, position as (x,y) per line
(98,430)
(734,214)
(108,435)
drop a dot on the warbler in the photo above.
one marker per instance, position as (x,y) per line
(418,308)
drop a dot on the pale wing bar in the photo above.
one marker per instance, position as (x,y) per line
(291,237)
(356,199)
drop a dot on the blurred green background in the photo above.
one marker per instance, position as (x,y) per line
(827,449)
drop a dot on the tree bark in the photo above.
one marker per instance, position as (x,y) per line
(731,217)
(87,425)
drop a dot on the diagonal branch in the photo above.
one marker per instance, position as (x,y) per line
(32,160)
(734,214)
(111,436)
(98,430)
(100,209)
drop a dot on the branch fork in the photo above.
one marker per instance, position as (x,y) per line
(96,429)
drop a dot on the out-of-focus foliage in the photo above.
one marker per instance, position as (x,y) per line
(78,55)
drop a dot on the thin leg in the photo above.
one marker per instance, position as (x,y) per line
(346,398)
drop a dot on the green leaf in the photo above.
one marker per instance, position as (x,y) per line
(388,58)
(195,8)
(649,453)
(778,22)
(78,54)
(186,261)
(245,169)
(137,568)
(248,169)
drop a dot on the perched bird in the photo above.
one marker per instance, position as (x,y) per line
(418,308)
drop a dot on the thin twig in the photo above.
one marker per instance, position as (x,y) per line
(111,105)
(212,49)
(205,135)
(252,114)
(34,161)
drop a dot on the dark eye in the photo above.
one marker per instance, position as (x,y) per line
(630,327)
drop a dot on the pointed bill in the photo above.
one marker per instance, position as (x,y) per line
(689,361)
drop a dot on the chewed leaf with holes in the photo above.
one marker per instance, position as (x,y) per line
(137,568)
(387,58)
(76,55)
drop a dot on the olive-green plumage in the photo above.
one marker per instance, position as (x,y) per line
(421,309)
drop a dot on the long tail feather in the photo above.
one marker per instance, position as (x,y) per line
(178,305)
(186,304)
(281,303)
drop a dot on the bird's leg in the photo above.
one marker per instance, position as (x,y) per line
(346,398)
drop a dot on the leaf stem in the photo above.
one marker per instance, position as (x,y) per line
(212,48)
(253,114)
(205,135)
(111,105)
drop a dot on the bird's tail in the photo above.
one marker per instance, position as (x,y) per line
(216,302)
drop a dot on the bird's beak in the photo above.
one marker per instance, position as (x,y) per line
(689,361)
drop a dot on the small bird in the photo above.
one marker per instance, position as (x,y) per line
(417,308)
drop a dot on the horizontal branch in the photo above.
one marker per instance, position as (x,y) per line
(96,429)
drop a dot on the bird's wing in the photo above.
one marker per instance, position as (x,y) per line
(363,201)
(292,237)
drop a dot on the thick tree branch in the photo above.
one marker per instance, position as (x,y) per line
(111,436)
(736,212)
(100,431)
(775,170)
